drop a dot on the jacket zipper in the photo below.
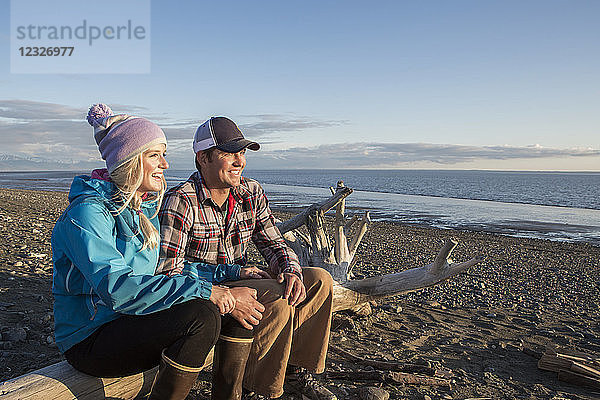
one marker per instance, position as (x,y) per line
(93,304)
(68,276)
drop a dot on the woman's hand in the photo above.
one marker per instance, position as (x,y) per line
(221,296)
(253,273)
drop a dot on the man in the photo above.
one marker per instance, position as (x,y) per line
(211,218)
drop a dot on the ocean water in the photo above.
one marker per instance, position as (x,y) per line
(547,205)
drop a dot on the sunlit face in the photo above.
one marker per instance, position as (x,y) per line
(224,170)
(153,164)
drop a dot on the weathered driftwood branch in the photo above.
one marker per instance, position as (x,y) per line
(384,365)
(326,205)
(578,368)
(362,229)
(341,251)
(390,377)
(355,292)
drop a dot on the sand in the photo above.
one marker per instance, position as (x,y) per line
(484,326)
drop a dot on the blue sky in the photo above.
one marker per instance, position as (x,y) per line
(510,85)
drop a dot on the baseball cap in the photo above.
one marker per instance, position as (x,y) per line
(222,133)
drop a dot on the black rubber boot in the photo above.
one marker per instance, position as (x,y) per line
(173,381)
(228,368)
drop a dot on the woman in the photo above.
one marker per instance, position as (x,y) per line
(113,317)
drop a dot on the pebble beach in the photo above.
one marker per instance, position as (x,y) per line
(486,327)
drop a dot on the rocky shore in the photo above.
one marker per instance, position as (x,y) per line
(484,328)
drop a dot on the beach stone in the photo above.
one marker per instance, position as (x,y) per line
(15,335)
(336,368)
(6,304)
(363,310)
(46,318)
(37,255)
(343,391)
(433,304)
(392,308)
(6,345)
(373,393)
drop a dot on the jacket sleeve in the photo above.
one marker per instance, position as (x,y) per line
(270,242)
(212,273)
(90,239)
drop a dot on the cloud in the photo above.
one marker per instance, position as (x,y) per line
(390,155)
(60,133)
(35,110)
(49,131)
(275,124)
(266,127)
(127,109)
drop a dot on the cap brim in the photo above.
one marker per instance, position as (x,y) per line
(238,145)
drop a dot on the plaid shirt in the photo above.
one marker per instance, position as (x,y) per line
(194,228)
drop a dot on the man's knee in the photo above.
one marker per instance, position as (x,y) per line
(267,290)
(278,309)
(319,276)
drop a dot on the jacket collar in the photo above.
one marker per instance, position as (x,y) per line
(84,185)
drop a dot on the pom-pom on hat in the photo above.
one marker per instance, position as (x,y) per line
(122,137)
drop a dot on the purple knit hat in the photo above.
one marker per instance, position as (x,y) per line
(122,137)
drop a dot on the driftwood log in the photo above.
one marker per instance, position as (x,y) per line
(315,249)
(61,381)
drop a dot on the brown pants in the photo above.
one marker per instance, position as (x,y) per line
(295,335)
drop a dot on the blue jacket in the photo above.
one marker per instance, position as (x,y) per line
(100,272)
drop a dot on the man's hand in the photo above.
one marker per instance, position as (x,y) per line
(253,273)
(222,298)
(248,311)
(295,291)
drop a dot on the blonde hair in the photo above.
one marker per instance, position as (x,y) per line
(128,178)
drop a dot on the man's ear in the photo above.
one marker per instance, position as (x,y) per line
(201,158)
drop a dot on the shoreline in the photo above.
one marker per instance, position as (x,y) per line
(517,219)
(288,212)
(527,294)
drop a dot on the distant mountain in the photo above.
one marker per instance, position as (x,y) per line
(11,162)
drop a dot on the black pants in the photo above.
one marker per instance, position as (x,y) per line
(134,343)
